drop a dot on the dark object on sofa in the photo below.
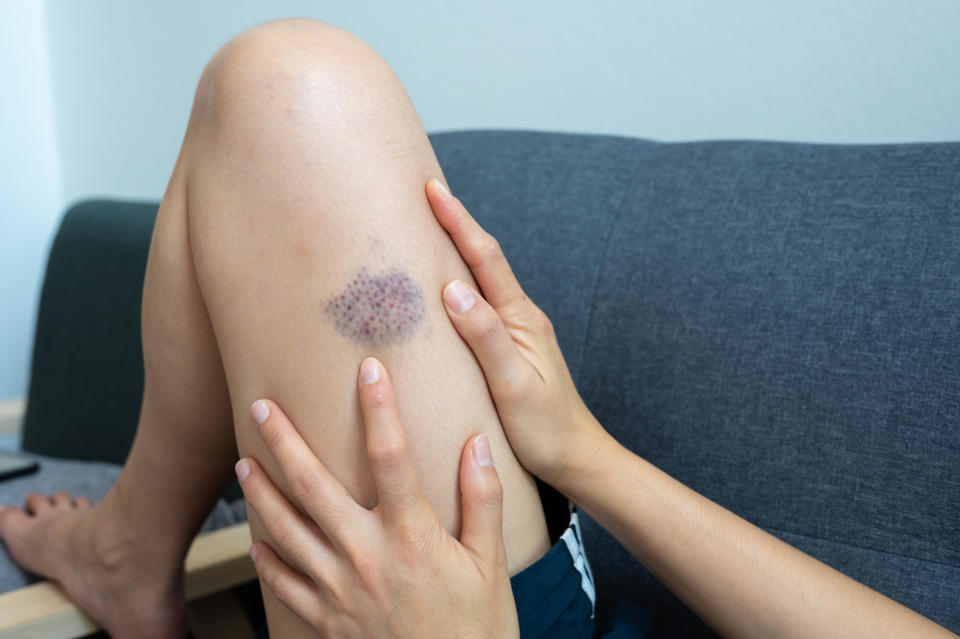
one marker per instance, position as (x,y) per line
(776,325)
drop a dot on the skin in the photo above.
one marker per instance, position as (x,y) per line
(718,564)
(357,565)
(377,310)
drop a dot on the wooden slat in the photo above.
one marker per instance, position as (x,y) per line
(42,610)
(217,560)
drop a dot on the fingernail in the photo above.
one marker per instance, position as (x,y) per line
(481,451)
(253,553)
(458,296)
(442,188)
(243,469)
(260,411)
(369,371)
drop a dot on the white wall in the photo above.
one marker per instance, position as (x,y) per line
(815,70)
(29,183)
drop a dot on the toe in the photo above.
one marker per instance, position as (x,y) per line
(37,503)
(83,502)
(62,500)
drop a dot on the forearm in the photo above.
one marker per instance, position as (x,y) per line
(739,579)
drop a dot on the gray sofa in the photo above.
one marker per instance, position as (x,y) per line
(776,325)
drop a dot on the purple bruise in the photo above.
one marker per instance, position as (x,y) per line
(377,310)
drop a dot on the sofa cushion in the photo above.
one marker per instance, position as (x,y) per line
(86,379)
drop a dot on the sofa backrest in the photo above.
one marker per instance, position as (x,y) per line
(86,380)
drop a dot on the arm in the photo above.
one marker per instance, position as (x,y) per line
(739,579)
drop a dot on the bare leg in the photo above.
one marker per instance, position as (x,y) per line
(300,186)
(122,561)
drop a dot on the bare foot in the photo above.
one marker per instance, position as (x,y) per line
(84,549)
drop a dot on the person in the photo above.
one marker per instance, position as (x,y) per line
(348,569)
(297,202)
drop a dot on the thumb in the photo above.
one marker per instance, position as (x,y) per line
(481,495)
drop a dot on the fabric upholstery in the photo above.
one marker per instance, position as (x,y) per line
(86,380)
(776,325)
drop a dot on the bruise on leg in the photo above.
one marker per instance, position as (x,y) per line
(377,310)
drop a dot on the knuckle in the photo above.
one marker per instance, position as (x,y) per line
(387,451)
(271,434)
(486,325)
(514,388)
(306,484)
(540,320)
(368,568)
(319,621)
(490,248)
(281,586)
(485,248)
(252,490)
(422,544)
(409,530)
(492,493)
(414,553)
(281,531)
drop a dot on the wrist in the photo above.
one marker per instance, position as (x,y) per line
(584,456)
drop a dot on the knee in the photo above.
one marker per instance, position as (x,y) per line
(291,72)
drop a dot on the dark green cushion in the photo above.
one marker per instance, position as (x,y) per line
(87,377)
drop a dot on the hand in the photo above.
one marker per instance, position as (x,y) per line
(392,571)
(550,429)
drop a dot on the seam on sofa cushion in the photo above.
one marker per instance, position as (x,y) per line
(601,261)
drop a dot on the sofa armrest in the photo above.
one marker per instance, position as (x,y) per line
(217,561)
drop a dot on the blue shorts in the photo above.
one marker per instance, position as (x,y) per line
(555,595)
(556,598)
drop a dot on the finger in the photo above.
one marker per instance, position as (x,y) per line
(311,485)
(84,502)
(291,588)
(481,495)
(61,499)
(483,330)
(289,531)
(479,249)
(37,503)
(393,473)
